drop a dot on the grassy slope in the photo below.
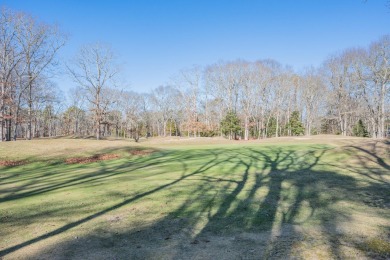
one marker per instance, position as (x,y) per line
(220,198)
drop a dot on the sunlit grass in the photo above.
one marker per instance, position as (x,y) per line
(286,195)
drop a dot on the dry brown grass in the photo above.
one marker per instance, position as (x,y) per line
(335,140)
(91,159)
(66,148)
(45,149)
(11,163)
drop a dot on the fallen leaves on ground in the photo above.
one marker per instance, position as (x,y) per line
(10,163)
(91,159)
(141,152)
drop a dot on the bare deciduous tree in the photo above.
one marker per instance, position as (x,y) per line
(10,57)
(379,66)
(312,90)
(95,70)
(39,43)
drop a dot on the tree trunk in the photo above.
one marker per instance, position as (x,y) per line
(16,121)
(98,131)
(345,125)
(308,129)
(2,107)
(9,130)
(246,134)
(1,127)
(308,124)
(29,115)
(382,113)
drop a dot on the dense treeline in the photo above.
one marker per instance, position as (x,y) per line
(348,94)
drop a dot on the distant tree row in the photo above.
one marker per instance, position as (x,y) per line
(349,94)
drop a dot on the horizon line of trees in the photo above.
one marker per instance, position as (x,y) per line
(349,94)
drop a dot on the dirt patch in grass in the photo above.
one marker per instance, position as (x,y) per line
(141,152)
(91,159)
(11,163)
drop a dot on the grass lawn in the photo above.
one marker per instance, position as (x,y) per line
(322,197)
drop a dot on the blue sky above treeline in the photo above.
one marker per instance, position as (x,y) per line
(156,39)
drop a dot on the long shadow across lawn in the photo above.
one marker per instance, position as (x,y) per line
(75,181)
(252,199)
(49,178)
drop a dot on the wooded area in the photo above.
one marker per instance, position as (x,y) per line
(347,95)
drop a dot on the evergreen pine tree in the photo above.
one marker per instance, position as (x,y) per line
(231,125)
(295,124)
(360,129)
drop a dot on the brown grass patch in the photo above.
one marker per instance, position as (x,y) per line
(140,152)
(91,159)
(11,163)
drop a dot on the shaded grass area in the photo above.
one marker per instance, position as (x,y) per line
(304,201)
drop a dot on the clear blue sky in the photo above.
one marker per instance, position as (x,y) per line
(155,39)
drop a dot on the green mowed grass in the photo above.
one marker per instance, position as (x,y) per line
(228,201)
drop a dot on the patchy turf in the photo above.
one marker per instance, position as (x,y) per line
(91,159)
(141,152)
(178,198)
(11,163)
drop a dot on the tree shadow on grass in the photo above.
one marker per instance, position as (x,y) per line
(245,203)
(89,178)
(36,179)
